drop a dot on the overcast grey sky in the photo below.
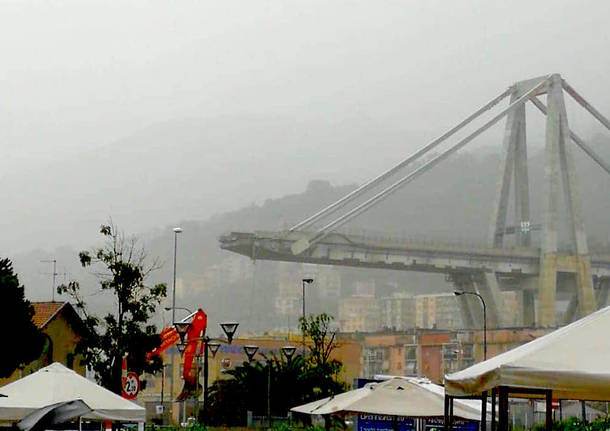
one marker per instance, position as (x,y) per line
(79,75)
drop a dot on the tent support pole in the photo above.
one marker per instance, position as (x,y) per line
(493,409)
(503,409)
(451,413)
(483,412)
(446,415)
(549,411)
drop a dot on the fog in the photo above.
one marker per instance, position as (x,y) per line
(158,112)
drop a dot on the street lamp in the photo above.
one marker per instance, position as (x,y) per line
(461,292)
(288,351)
(181,329)
(213,347)
(305,281)
(229,329)
(178,308)
(177,230)
(250,350)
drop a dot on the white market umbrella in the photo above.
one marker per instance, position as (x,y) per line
(56,383)
(395,397)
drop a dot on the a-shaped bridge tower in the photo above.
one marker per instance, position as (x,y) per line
(539,272)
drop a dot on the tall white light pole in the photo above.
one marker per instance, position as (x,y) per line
(177,230)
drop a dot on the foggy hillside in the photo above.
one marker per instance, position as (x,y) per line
(183,169)
(450,203)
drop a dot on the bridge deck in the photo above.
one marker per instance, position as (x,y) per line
(358,251)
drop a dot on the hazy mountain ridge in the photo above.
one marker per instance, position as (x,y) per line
(181,169)
(452,203)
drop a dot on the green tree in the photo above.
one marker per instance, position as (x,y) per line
(301,380)
(320,370)
(16,319)
(122,271)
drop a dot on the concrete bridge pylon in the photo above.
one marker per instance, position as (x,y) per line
(559,171)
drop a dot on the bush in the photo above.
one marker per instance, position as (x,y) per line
(575,424)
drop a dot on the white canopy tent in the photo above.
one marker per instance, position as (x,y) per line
(573,362)
(395,397)
(56,383)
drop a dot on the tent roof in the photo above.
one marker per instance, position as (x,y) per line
(397,397)
(56,383)
(573,362)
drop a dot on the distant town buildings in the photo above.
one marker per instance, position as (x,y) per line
(402,312)
(365,313)
(359,314)
(398,312)
(437,311)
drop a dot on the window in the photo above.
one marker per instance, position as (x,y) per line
(451,355)
(411,360)
(373,362)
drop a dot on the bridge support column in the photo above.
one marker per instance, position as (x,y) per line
(603,293)
(529,309)
(487,285)
(572,310)
(547,285)
(584,286)
(559,160)
(471,318)
(467,315)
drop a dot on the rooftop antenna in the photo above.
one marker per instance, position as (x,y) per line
(53,274)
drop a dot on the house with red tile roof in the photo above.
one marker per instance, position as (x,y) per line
(63,328)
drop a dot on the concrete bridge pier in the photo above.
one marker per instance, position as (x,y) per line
(529,308)
(603,293)
(472,316)
(487,285)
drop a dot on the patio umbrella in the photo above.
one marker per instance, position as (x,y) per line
(394,397)
(54,416)
(56,384)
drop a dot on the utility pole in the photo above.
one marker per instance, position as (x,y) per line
(53,276)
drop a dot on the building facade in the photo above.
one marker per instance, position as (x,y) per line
(359,314)
(62,328)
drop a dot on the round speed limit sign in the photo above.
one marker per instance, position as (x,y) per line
(131,386)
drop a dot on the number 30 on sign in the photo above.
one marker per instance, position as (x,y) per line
(131,386)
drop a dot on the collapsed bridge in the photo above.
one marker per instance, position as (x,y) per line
(541,273)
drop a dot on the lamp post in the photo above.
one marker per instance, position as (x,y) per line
(163,393)
(188,310)
(177,230)
(288,351)
(229,328)
(461,292)
(305,281)
(208,347)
